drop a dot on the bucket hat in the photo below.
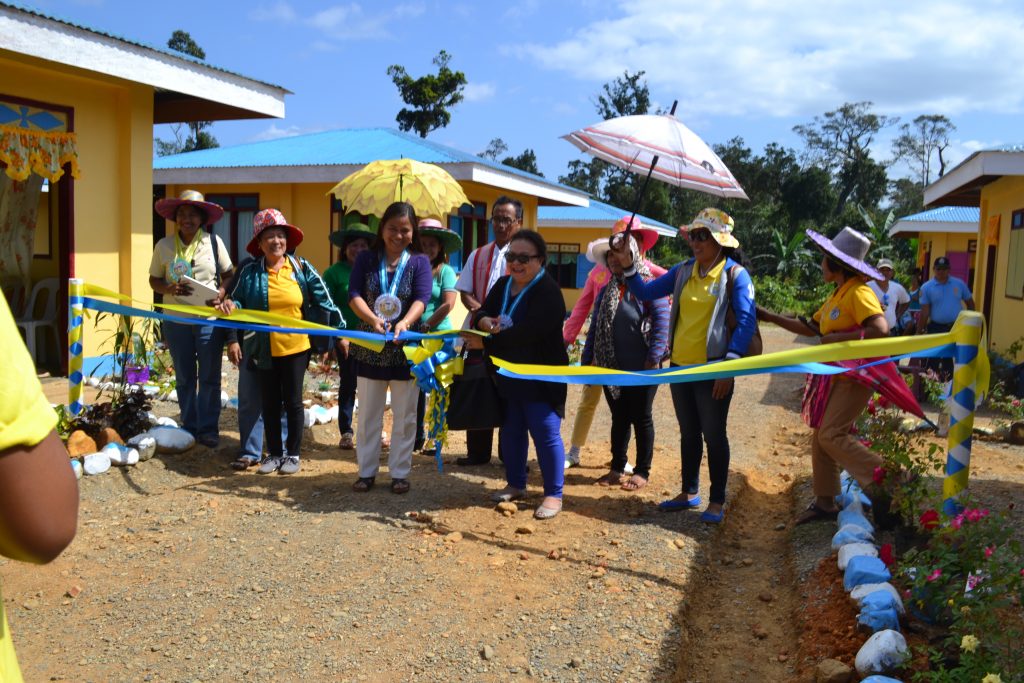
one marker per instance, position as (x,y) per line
(718,222)
(340,238)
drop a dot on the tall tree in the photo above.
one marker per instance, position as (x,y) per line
(198,136)
(918,142)
(840,141)
(495,148)
(430,97)
(527,161)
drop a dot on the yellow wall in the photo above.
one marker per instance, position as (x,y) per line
(943,243)
(112,200)
(1001,198)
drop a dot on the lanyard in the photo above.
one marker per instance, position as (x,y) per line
(505,310)
(399,269)
(187,253)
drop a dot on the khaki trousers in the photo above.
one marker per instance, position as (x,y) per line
(589,399)
(834,448)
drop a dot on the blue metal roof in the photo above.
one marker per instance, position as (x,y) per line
(598,212)
(166,51)
(349,146)
(947,214)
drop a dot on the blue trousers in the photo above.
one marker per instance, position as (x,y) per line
(537,419)
(250,413)
(702,419)
(196,352)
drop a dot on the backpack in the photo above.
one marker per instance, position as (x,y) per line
(756,346)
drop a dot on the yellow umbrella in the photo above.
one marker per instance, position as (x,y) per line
(430,189)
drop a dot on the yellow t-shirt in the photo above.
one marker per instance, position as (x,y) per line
(696,304)
(284,297)
(25,419)
(848,307)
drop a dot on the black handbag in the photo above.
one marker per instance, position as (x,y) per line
(474,402)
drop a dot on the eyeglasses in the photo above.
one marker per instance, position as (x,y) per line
(885,299)
(699,235)
(513,257)
(503,220)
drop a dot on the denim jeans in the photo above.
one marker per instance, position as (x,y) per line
(538,419)
(346,393)
(250,413)
(702,419)
(196,352)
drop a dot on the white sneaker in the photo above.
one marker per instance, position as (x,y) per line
(572,457)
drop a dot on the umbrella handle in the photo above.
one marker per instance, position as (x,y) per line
(615,240)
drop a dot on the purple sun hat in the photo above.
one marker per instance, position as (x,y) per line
(850,247)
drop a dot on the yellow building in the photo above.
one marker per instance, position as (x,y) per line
(993,181)
(77,108)
(295,174)
(949,231)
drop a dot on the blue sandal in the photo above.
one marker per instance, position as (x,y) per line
(673,505)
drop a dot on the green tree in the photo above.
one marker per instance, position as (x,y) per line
(527,161)
(920,141)
(197,137)
(495,148)
(839,142)
(429,97)
(787,256)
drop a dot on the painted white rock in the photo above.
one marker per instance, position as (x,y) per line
(332,413)
(853,550)
(171,439)
(166,422)
(144,444)
(150,390)
(224,398)
(173,395)
(119,455)
(883,653)
(862,591)
(96,463)
(92,381)
(308,419)
(76,465)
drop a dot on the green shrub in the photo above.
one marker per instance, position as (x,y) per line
(789,296)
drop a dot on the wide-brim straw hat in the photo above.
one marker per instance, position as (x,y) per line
(168,207)
(340,238)
(849,247)
(718,222)
(449,239)
(597,250)
(272,218)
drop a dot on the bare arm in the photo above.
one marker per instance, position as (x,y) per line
(469,301)
(38,501)
(923,317)
(795,324)
(447,303)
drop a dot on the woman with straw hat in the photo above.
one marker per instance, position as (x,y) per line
(831,407)
(196,350)
(704,288)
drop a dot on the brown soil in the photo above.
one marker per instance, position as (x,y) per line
(190,571)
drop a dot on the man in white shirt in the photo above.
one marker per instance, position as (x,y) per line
(891,294)
(483,268)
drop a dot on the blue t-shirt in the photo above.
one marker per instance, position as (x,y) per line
(945,299)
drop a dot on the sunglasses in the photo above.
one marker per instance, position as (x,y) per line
(513,257)
(699,235)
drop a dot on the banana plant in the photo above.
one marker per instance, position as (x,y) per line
(789,256)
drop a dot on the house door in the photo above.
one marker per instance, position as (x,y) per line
(960,265)
(990,281)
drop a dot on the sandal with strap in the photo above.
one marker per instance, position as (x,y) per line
(363,484)
(634,483)
(813,513)
(400,486)
(613,478)
(244,462)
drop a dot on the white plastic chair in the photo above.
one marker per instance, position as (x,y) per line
(30,322)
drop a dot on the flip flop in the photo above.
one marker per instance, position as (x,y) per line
(672,505)
(611,479)
(634,483)
(244,463)
(813,513)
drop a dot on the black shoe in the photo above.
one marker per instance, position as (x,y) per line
(471,462)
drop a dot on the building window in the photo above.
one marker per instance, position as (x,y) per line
(1015,261)
(562,259)
(472,225)
(235,226)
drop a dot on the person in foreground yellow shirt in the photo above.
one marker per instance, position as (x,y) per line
(38,490)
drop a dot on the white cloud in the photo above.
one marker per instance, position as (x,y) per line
(478,92)
(274,133)
(800,58)
(278,12)
(347,22)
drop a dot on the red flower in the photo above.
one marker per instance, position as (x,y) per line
(973,515)
(989,550)
(883,402)
(879,475)
(871,408)
(929,520)
(935,574)
(886,554)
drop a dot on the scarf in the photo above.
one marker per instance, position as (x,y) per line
(604,336)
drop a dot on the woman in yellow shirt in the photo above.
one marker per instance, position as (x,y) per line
(851,312)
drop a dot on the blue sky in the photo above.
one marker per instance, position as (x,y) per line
(748,68)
